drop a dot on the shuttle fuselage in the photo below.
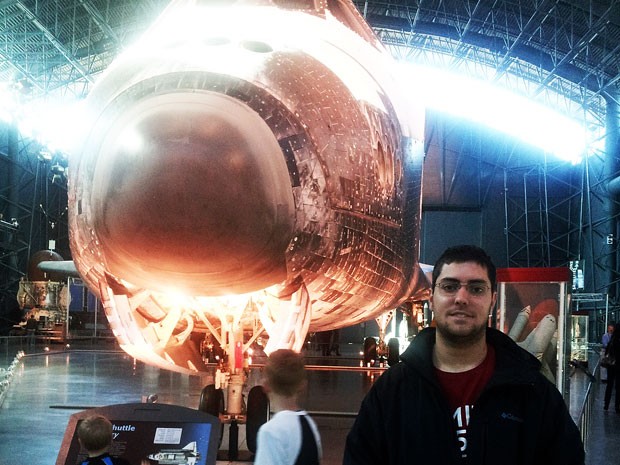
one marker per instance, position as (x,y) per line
(244,169)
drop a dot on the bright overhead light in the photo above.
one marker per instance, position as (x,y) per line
(500,109)
(8,102)
(54,124)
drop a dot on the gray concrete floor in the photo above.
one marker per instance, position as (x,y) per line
(603,443)
(48,387)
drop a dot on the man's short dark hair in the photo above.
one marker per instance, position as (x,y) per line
(463,254)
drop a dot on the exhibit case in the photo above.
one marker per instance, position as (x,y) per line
(532,308)
(579,338)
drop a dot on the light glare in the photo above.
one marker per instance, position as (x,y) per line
(505,111)
(54,124)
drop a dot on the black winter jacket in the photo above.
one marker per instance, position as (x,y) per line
(520,417)
(613,348)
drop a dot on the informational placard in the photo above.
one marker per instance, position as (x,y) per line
(165,435)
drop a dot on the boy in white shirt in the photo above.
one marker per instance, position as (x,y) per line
(290,437)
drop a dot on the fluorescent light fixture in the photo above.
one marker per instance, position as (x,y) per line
(500,109)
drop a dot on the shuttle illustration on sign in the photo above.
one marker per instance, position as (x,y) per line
(188,455)
(247,169)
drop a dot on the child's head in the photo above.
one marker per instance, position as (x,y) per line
(285,373)
(95,433)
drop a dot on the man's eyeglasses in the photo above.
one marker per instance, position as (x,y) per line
(452,287)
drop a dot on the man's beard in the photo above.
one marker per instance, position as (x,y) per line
(462,340)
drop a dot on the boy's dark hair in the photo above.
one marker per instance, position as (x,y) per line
(462,254)
(285,372)
(95,432)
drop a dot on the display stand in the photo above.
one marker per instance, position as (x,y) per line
(532,309)
(150,433)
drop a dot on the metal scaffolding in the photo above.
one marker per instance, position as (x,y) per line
(565,54)
(33,197)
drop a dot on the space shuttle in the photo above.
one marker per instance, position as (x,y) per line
(247,169)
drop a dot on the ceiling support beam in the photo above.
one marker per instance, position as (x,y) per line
(59,46)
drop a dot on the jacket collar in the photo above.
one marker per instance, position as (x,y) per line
(513,364)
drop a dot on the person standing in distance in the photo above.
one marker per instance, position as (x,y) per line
(604,342)
(613,375)
(464,393)
(607,336)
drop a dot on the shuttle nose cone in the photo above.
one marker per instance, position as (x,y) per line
(192,192)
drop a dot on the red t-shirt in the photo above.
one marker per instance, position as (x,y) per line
(462,391)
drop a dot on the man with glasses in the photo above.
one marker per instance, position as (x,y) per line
(464,392)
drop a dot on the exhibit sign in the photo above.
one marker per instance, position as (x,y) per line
(150,434)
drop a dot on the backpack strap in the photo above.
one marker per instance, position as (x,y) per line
(107,460)
(309,452)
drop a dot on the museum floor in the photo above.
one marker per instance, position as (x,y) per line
(47,387)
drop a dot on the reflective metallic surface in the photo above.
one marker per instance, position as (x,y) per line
(256,171)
